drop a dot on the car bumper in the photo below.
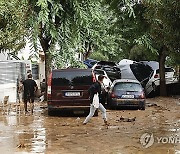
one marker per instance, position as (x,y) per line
(168,81)
(127,102)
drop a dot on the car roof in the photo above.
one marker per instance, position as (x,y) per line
(71,69)
(97,69)
(126,80)
(89,60)
(101,70)
(110,63)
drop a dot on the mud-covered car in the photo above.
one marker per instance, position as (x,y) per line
(136,71)
(110,68)
(126,93)
(154,78)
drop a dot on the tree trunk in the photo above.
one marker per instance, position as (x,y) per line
(88,48)
(48,61)
(162,58)
(45,46)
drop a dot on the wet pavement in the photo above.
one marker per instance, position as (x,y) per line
(155,130)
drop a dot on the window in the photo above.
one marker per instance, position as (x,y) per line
(74,78)
(129,86)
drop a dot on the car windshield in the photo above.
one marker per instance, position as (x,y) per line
(72,78)
(127,86)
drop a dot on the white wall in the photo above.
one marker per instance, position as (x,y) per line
(9,89)
(3,56)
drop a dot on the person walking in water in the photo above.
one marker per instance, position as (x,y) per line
(95,88)
(30,87)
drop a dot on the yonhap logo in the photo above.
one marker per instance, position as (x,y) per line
(147,140)
(171,139)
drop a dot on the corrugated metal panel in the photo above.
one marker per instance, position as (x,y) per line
(10,73)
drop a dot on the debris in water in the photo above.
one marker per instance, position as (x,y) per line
(21,145)
(151,104)
(127,119)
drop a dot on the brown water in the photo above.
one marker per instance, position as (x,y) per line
(40,133)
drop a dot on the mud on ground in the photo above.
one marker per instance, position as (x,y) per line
(155,130)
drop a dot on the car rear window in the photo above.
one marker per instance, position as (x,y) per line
(127,86)
(74,78)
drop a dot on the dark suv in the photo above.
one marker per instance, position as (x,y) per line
(68,90)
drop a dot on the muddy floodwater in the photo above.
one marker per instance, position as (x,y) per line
(153,131)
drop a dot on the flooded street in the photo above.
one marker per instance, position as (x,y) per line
(155,130)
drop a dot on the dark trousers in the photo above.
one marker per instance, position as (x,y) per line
(30,99)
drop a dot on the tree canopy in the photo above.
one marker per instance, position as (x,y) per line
(109,29)
(12,25)
(68,27)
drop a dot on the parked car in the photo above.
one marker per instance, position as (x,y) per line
(102,63)
(154,77)
(90,62)
(126,93)
(68,90)
(110,68)
(136,71)
(154,80)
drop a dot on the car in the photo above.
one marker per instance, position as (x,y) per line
(126,93)
(90,62)
(68,90)
(110,68)
(135,70)
(99,64)
(152,86)
(154,80)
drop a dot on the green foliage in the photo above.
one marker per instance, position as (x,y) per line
(98,56)
(152,24)
(140,52)
(131,25)
(173,59)
(72,26)
(164,20)
(65,28)
(12,25)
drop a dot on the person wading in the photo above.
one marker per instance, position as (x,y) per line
(95,88)
(30,87)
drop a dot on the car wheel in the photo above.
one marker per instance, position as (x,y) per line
(142,106)
(111,107)
(50,112)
